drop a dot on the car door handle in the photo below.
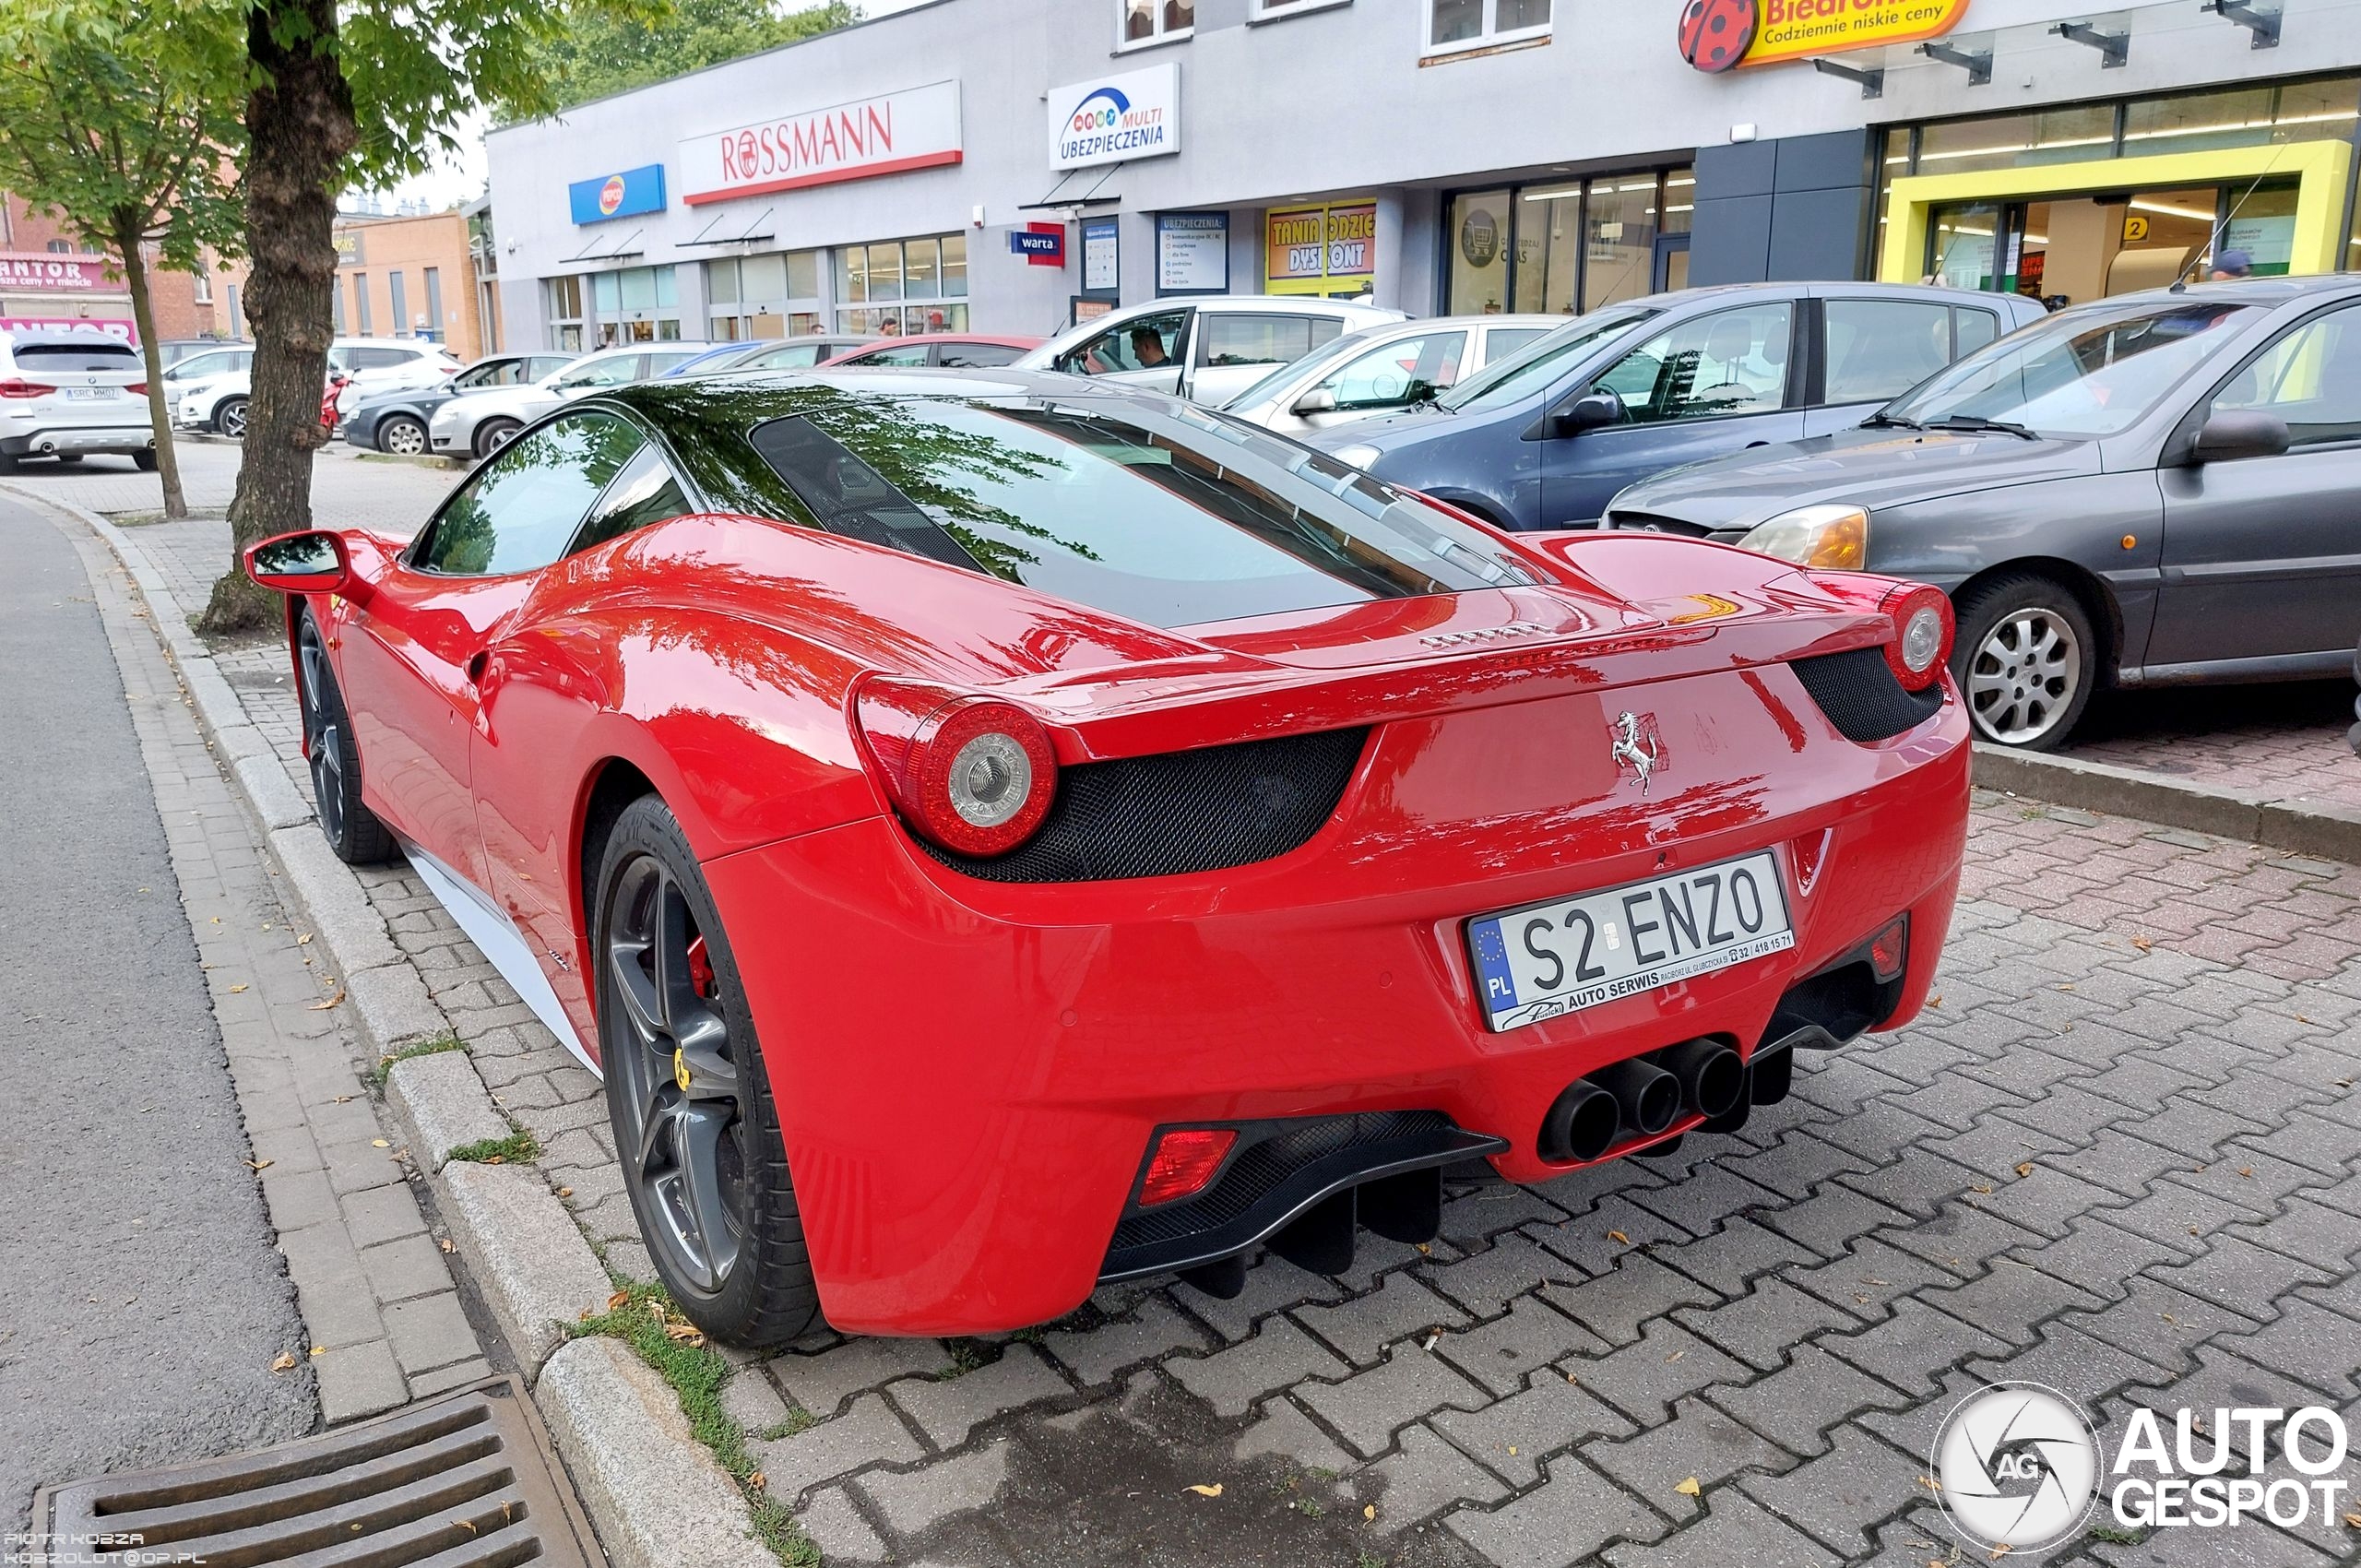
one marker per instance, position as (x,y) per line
(476,664)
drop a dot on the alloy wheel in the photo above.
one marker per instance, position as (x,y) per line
(2025,676)
(405,438)
(670,1060)
(233,420)
(323,736)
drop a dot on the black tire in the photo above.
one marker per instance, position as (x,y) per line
(402,435)
(144,461)
(494,433)
(2027,659)
(351,829)
(702,1161)
(229,418)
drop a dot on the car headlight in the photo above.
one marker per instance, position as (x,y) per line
(1832,536)
(1359,454)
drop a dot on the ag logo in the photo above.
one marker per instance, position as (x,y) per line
(2018,1466)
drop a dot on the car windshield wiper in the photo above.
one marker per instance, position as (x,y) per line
(1970,422)
(1889,422)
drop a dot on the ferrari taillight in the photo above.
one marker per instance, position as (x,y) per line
(1184,1161)
(1921,616)
(972,774)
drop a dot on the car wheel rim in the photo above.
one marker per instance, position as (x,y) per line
(495,438)
(669,1059)
(233,420)
(2025,676)
(322,738)
(406,439)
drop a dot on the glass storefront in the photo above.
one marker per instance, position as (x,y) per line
(599,310)
(773,295)
(898,287)
(1570,247)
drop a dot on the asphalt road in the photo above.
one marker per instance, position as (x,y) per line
(141,1300)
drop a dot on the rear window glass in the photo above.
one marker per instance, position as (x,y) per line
(1171,518)
(76,356)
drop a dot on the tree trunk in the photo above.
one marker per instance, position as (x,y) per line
(299,129)
(143,314)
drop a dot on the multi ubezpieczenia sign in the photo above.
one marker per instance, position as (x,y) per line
(1114,119)
(1720,35)
(917,128)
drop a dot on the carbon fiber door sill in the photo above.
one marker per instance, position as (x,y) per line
(463,1481)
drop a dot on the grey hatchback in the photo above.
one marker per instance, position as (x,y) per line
(1542,439)
(2161,487)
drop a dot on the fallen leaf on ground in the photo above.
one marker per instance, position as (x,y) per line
(758,1481)
(379,1143)
(331,1002)
(259,1164)
(465,1525)
(2246,1171)
(565,1192)
(235,988)
(1619,1238)
(304,940)
(1984,1187)
(1689,1487)
(1213,1491)
(286,1362)
(1930,1483)
(319,1349)
(2142,944)
(1369,1510)
(2025,1168)
(617,1300)
(582,1316)
(449,1245)
(1936,1000)
(2353,1521)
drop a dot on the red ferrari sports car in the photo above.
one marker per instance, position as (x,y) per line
(998,835)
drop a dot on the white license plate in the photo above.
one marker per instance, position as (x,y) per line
(92,393)
(1547,959)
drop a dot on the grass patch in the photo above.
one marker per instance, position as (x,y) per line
(643,1317)
(444,1042)
(516,1148)
(2115,1536)
(798,1419)
(967,1355)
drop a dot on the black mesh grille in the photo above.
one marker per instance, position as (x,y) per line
(1857,692)
(1259,1170)
(1649,522)
(1179,811)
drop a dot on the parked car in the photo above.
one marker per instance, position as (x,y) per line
(794,353)
(172,351)
(478,424)
(714,358)
(1384,369)
(988,691)
(1207,351)
(396,421)
(372,365)
(203,365)
(65,394)
(950,351)
(1542,439)
(2152,490)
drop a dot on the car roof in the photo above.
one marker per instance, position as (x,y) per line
(657,397)
(1003,338)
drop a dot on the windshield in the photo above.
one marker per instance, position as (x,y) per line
(1314,364)
(1173,516)
(1533,369)
(2075,375)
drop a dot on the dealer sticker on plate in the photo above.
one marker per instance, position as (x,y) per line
(1547,959)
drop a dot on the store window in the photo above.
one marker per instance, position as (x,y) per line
(903,286)
(762,297)
(1476,24)
(1572,247)
(2009,141)
(561,307)
(1140,22)
(638,304)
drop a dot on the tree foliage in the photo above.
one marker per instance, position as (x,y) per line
(614,52)
(122,121)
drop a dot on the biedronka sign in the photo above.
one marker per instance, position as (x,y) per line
(1721,35)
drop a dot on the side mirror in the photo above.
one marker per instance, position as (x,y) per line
(2239,432)
(1319,401)
(311,562)
(1588,411)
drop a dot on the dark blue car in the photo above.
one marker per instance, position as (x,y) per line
(1542,439)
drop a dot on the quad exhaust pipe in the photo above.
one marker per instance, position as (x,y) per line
(1640,1096)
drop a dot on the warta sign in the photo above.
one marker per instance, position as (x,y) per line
(917,128)
(1114,119)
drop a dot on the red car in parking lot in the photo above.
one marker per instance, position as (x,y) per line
(998,835)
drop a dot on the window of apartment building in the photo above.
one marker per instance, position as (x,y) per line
(203,280)
(360,303)
(903,286)
(562,306)
(1140,22)
(60,247)
(336,308)
(433,304)
(1474,24)
(1572,247)
(772,295)
(1271,10)
(396,286)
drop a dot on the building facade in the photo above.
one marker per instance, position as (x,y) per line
(1013,165)
(48,277)
(411,276)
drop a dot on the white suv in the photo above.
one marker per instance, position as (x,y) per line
(64,394)
(1208,350)
(376,364)
(481,423)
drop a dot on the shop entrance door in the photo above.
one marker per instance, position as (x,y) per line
(2068,249)
(1671,269)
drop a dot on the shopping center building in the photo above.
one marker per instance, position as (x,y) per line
(1010,165)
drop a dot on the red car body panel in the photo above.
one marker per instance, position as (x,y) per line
(968,1071)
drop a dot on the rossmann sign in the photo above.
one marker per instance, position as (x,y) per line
(917,128)
(1116,118)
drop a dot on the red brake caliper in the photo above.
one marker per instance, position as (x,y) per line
(701,971)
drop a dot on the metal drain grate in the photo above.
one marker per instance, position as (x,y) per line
(466,1480)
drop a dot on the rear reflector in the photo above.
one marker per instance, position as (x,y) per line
(1184,1161)
(1889,948)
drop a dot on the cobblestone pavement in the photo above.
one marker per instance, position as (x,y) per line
(2280,741)
(2120,1155)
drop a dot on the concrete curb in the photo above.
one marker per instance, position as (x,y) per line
(440,1105)
(2294,824)
(653,1491)
(538,1273)
(659,1498)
